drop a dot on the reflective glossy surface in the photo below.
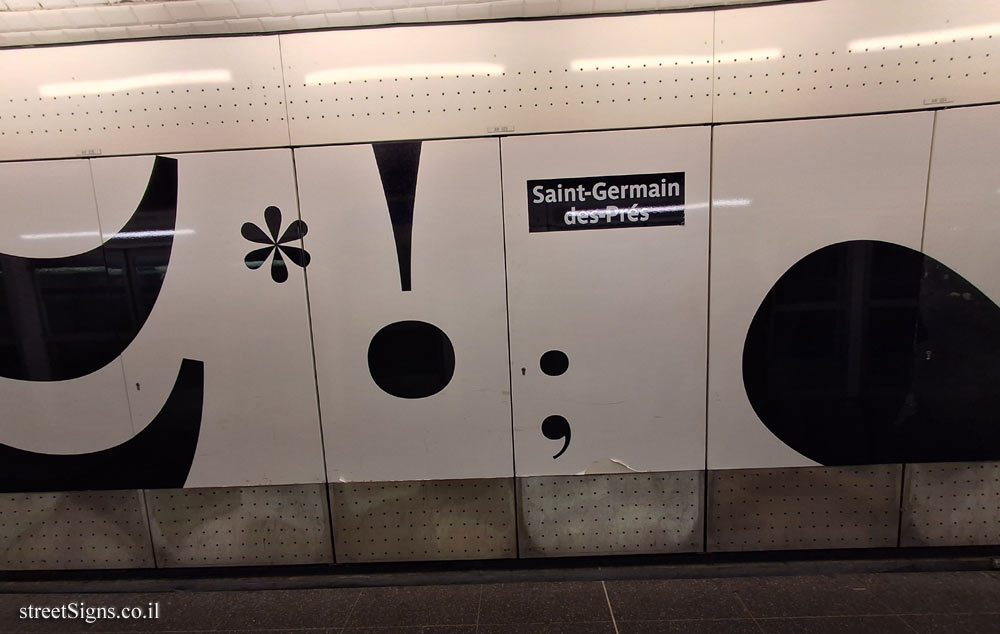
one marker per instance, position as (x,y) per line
(867,352)
(64,317)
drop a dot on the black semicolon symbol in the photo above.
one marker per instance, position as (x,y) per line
(158,457)
(407,359)
(114,288)
(555,427)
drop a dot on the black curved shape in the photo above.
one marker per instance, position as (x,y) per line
(556,427)
(63,318)
(868,352)
(158,457)
(398,163)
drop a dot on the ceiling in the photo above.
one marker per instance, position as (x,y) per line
(33,22)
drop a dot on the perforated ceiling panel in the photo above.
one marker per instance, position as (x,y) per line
(240,526)
(135,97)
(478,79)
(629,513)
(803,508)
(853,56)
(951,504)
(86,529)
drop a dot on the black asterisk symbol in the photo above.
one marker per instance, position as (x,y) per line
(256,258)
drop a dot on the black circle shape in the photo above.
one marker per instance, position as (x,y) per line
(411,359)
(556,427)
(554,362)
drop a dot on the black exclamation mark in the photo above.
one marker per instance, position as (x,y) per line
(410,358)
(397,167)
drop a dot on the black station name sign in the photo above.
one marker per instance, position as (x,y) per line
(606,202)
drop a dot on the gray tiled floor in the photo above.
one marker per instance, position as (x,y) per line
(888,603)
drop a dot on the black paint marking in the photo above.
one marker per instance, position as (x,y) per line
(398,164)
(411,359)
(867,352)
(160,456)
(554,362)
(556,427)
(294,233)
(66,317)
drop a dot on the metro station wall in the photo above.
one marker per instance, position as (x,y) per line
(814,244)
(221,307)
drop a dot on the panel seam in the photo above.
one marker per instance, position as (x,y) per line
(510,373)
(312,348)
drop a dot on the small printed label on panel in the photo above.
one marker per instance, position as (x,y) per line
(606,202)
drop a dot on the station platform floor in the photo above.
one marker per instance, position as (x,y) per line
(925,602)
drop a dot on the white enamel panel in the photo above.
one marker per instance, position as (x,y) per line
(48,208)
(628,306)
(462,431)
(48,211)
(141,97)
(260,423)
(852,56)
(477,79)
(781,191)
(963,203)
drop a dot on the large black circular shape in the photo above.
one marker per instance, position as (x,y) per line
(554,362)
(411,359)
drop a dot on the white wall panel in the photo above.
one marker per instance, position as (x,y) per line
(627,305)
(963,204)
(355,288)
(781,191)
(478,79)
(141,97)
(259,422)
(851,56)
(48,212)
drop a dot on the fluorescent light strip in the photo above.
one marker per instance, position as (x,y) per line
(135,82)
(911,40)
(401,71)
(128,235)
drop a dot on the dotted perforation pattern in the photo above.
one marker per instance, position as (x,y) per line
(423,520)
(142,97)
(951,504)
(517,100)
(544,88)
(236,106)
(804,508)
(236,526)
(831,81)
(76,530)
(611,514)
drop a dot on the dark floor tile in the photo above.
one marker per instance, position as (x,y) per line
(417,629)
(934,592)
(954,623)
(836,625)
(838,595)
(416,605)
(666,599)
(559,602)
(548,628)
(727,626)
